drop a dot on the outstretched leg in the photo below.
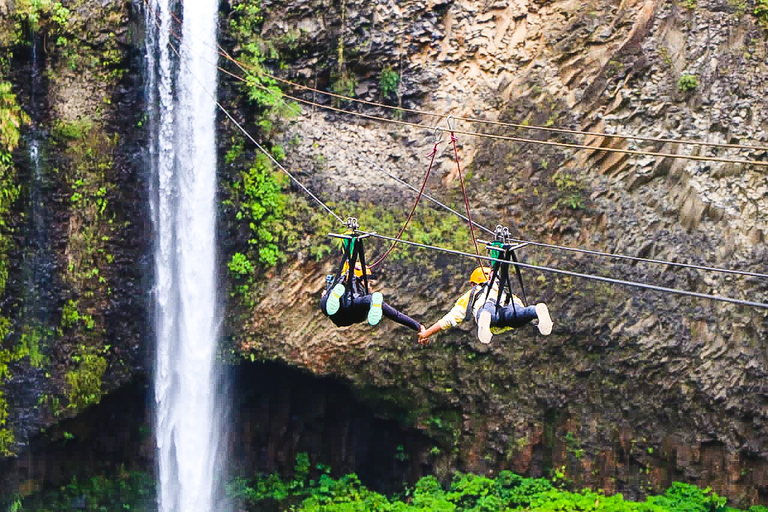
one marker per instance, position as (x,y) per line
(513,315)
(379,307)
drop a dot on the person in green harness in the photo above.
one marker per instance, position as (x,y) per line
(347,299)
(494,312)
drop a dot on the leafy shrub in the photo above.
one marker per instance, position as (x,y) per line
(761,11)
(687,83)
(467,492)
(126,490)
(84,381)
(388,81)
(570,188)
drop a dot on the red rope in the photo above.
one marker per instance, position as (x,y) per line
(466,201)
(410,215)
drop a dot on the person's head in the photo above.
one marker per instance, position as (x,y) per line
(359,270)
(480,275)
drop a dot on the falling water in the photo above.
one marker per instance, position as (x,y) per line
(38,263)
(183,161)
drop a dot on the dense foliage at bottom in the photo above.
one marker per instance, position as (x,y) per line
(467,492)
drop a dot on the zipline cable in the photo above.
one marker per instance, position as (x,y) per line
(573,249)
(415,204)
(595,149)
(248,135)
(499,123)
(427,196)
(244,67)
(577,274)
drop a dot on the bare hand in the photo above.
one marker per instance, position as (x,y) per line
(423,336)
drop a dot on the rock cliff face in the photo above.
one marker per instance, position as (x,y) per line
(633,389)
(78,231)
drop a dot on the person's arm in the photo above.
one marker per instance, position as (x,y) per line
(453,318)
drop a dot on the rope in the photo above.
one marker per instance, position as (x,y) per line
(505,124)
(576,249)
(580,275)
(430,198)
(245,68)
(464,193)
(533,141)
(248,135)
(413,209)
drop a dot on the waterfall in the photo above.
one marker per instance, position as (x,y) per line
(182,156)
(38,264)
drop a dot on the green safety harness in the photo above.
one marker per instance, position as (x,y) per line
(353,251)
(502,251)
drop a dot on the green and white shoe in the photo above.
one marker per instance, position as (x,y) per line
(375,313)
(334,299)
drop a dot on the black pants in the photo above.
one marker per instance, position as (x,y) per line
(511,315)
(354,309)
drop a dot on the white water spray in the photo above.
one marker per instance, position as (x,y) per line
(183,161)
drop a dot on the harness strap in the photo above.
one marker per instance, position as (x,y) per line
(361,253)
(471,302)
(519,278)
(345,258)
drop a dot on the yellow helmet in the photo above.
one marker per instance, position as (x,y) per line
(358,269)
(480,275)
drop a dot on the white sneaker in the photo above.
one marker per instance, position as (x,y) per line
(545,322)
(484,327)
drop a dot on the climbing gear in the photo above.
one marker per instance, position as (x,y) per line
(353,253)
(375,312)
(545,321)
(503,251)
(480,275)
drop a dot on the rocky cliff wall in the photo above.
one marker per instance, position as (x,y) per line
(634,389)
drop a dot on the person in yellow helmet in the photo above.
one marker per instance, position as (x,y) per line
(350,308)
(480,304)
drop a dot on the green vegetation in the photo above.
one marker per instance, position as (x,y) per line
(573,447)
(251,51)
(761,11)
(312,488)
(126,491)
(343,85)
(11,119)
(258,200)
(40,16)
(570,188)
(71,317)
(428,226)
(241,270)
(89,152)
(466,492)
(84,381)
(687,83)
(389,80)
